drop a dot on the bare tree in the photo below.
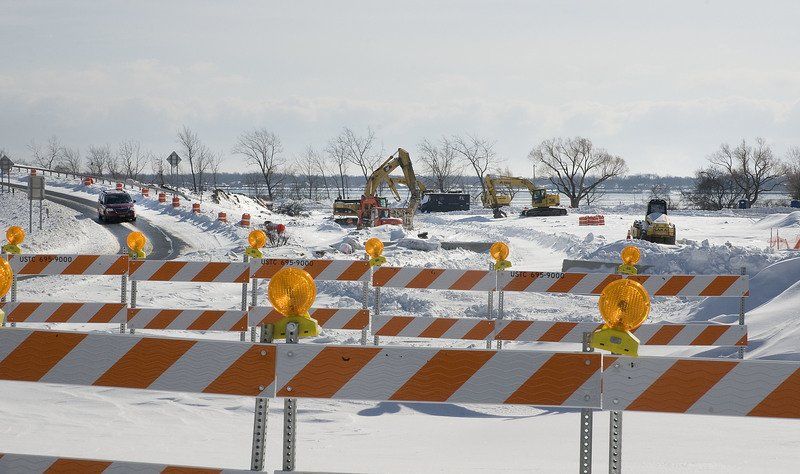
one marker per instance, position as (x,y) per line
(192,146)
(158,167)
(321,168)
(713,190)
(263,148)
(205,160)
(337,153)
(478,153)
(216,164)
(358,149)
(307,166)
(131,160)
(440,162)
(46,156)
(755,169)
(71,161)
(575,167)
(98,159)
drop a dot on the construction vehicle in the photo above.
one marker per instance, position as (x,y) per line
(445,202)
(542,204)
(372,210)
(656,226)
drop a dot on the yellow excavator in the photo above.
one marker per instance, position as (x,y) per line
(371,210)
(542,204)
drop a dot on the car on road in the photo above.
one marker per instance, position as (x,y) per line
(115,205)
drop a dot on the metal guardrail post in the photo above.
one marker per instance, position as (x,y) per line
(743,271)
(290,411)
(260,416)
(587,420)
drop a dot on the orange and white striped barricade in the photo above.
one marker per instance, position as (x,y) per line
(668,334)
(699,386)
(439,375)
(194,272)
(73,313)
(594,283)
(137,362)
(187,319)
(74,265)
(320,270)
(34,464)
(435,279)
(328,318)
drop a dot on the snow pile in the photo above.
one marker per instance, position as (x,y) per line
(690,257)
(779,220)
(419,244)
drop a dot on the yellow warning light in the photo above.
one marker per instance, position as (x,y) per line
(630,255)
(136,242)
(292,292)
(15,235)
(257,239)
(374,247)
(624,305)
(499,252)
(6,277)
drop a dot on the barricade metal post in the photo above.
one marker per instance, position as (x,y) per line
(489,307)
(500,308)
(253,303)
(615,442)
(365,305)
(377,311)
(290,411)
(587,419)
(741,314)
(260,417)
(243,335)
(124,298)
(13,292)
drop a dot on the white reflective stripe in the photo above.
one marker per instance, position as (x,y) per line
(291,359)
(385,374)
(89,360)
(403,277)
(590,393)
(199,366)
(744,387)
(627,378)
(10,339)
(34,464)
(462,327)
(339,319)
(500,376)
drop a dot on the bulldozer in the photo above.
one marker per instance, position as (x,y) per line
(371,210)
(542,203)
(656,226)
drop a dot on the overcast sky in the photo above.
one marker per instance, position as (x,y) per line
(660,83)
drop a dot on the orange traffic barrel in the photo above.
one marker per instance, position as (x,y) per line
(162,198)
(245,220)
(119,186)
(222,217)
(88,181)
(196,207)
(146,192)
(176,201)
(33,172)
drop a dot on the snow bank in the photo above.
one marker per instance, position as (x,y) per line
(779,220)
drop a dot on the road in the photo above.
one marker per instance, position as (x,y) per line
(165,245)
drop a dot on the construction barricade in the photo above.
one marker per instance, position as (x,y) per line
(592,220)
(67,312)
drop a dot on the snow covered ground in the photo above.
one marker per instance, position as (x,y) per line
(390,437)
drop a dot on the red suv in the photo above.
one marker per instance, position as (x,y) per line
(115,205)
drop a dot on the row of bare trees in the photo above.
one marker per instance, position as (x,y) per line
(126,161)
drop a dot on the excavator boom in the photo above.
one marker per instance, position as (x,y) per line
(542,204)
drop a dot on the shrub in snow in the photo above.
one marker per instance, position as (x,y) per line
(292,208)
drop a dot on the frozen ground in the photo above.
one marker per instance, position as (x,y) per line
(387,437)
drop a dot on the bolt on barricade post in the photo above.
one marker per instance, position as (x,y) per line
(624,305)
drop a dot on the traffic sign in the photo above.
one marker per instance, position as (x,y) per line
(173,159)
(6,164)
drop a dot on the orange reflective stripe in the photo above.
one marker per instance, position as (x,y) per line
(665,334)
(37,354)
(144,363)
(425,278)
(677,389)
(167,271)
(566,283)
(64,312)
(512,330)
(119,267)
(394,326)
(328,372)
(106,313)
(519,283)
(359,321)
(783,402)
(22,312)
(354,271)
(322,315)
(438,327)
(249,375)
(719,285)
(556,380)
(205,320)
(70,466)
(709,335)
(442,375)
(469,279)
(163,319)
(674,285)
(36,265)
(599,288)
(79,265)
(383,274)
(479,331)
(315,267)
(557,332)
(209,272)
